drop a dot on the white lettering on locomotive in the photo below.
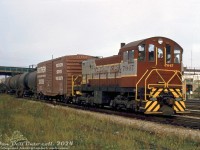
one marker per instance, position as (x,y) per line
(116,70)
(169,65)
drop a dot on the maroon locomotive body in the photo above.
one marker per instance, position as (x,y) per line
(146,76)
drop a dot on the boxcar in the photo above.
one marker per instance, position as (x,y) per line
(54,77)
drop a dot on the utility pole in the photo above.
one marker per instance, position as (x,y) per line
(191,58)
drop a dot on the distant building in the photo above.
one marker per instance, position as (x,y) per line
(191,77)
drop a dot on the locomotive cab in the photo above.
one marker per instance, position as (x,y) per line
(159,77)
(158,81)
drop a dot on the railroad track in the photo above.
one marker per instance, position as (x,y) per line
(193,105)
(176,120)
(194,113)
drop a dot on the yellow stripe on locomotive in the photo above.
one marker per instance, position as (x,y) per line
(154,105)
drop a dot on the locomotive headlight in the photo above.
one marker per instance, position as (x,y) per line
(170,101)
(160,41)
(166,91)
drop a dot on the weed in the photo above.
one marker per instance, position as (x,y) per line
(42,125)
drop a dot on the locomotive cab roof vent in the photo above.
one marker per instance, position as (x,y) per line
(123,44)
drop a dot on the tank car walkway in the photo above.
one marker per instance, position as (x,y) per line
(5,70)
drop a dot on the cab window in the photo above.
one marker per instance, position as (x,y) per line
(160,53)
(177,55)
(125,56)
(141,55)
(168,53)
(151,52)
(131,56)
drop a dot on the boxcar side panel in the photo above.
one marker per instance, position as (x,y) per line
(58,76)
(54,77)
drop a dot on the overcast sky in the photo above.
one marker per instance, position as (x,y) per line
(32,31)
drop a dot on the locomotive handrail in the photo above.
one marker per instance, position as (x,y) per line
(165,56)
(153,85)
(174,76)
(145,98)
(148,77)
(73,82)
(156,56)
(166,84)
(138,83)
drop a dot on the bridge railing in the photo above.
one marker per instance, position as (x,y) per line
(5,70)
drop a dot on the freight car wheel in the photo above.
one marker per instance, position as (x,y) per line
(40,96)
(76,100)
(99,105)
(19,93)
(67,100)
(62,99)
(137,109)
(112,104)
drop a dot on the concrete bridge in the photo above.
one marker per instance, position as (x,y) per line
(9,71)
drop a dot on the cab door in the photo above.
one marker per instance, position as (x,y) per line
(156,54)
(160,56)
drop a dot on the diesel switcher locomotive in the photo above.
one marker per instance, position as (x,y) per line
(145,76)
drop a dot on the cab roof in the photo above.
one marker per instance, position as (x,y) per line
(137,43)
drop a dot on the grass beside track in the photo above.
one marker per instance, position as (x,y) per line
(25,124)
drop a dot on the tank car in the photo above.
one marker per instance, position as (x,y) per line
(145,76)
(12,84)
(7,80)
(22,84)
(32,83)
(3,87)
(27,84)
